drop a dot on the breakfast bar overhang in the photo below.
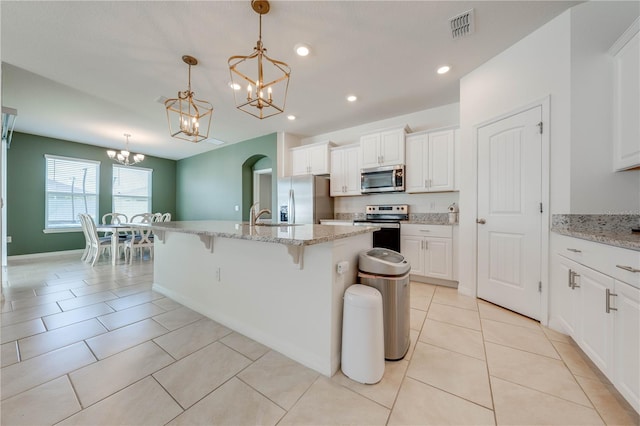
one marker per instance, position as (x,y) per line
(278,285)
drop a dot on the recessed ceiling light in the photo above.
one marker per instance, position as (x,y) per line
(444,69)
(291,117)
(352,98)
(234,86)
(302,49)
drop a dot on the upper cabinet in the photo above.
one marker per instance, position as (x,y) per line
(430,161)
(384,148)
(345,170)
(626,94)
(311,159)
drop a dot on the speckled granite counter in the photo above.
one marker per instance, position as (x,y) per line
(293,235)
(614,230)
(414,218)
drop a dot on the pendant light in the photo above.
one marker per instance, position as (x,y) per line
(123,156)
(266,80)
(189,118)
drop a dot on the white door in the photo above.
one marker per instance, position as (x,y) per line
(509,218)
(438,258)
(411,248)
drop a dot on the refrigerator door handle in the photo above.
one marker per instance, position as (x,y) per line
(292,207)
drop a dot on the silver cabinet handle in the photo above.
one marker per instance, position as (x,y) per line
(425,230)
(570,279)
(426,245)
(574,250)
(628,268)
(607,302)
(481,221)
(574,274)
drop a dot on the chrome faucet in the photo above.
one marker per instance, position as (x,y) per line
(253,216)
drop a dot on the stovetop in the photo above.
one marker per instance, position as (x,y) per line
(386,213)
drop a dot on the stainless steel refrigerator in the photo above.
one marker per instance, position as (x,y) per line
(304,199)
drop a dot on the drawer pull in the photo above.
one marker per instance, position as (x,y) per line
(628,268)
(574,250)
(425,230)
(607,303)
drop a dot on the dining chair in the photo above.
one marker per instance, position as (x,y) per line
(97,244)
(117,218)
(166,217)
(87,238)
(140,238)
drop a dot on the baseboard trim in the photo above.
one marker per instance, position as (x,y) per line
(46,254)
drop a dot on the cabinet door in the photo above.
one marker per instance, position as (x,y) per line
(627,104)
(438,258)
(627,342)
(440,161)
(595,335)
(369,150)
(411,249)
(337,172)
(299,162)
(392,147)
(417,153)
(564,298)
(318,159)
(351,172)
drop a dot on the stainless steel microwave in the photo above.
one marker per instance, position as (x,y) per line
(382,179)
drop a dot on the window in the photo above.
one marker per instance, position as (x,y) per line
(131,190)
(71,188)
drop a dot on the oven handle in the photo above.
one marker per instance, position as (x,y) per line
(378,224)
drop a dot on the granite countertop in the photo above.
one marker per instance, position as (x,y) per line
(627,240)
(294,235)
(614,230)
(414,218)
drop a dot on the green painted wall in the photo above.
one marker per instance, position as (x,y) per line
(26,190)
(210,185)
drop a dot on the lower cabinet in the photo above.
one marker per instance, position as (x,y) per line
(429,249)
(601,313)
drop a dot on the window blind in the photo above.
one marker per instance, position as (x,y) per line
(71,188)
(131,190)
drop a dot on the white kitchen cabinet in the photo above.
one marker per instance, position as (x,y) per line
(430,161)
(383,148)
(626,342)
(626,93)
(429,249)
(595,298)
(311,159)
(595,336)
(345,170)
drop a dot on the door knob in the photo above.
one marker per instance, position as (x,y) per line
(481,221)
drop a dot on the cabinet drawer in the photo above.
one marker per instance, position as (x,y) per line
(613,261)
(441,231)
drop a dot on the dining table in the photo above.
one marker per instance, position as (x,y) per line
(116,229)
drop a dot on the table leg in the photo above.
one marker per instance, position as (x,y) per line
(114,246)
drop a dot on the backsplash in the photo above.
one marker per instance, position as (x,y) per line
(619,223)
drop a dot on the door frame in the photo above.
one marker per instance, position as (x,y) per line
(256,186)
(544,103)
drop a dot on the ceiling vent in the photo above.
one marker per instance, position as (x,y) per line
(462,24)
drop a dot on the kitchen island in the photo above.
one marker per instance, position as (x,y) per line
(278,285)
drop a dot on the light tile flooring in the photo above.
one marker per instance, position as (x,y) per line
(96,346)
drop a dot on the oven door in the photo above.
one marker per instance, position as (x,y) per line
(387,237)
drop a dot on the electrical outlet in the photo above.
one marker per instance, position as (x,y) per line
(433,206)
(217,274)
(236,208)
(9,239)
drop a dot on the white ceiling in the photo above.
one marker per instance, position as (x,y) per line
(89,71)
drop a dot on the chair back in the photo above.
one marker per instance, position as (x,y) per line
(89,228)
(141,218)
(157,217)
(166,217)
(116,218)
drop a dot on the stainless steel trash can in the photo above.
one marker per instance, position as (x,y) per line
(362,334)
(388,272)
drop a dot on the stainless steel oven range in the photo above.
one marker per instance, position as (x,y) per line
(387,217)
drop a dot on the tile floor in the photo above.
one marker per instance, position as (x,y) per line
(96,346)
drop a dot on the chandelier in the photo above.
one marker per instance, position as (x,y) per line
(189,118)
(122,157)
(266,93)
